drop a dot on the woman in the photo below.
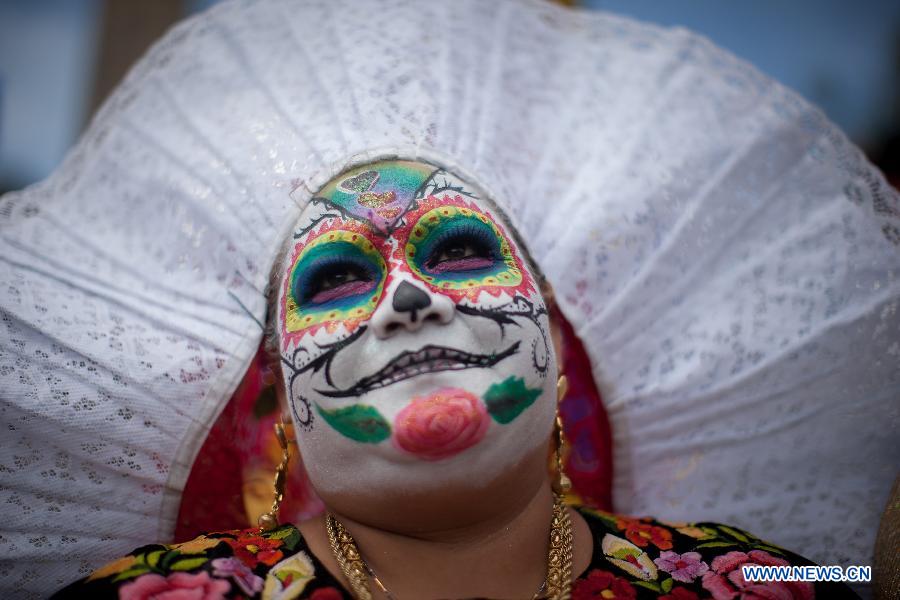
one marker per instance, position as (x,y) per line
(417,366)
(723,252)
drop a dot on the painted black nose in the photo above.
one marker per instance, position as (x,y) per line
(409,298)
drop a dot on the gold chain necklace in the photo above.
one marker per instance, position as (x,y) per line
(559,558)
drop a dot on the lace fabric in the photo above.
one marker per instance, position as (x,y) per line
(728,258)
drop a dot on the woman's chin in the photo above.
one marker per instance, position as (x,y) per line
(439,495)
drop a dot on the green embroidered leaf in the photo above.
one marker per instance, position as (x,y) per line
(506,400)
(187,564)
(716,545)
(280,533)
(667,585)
(606,517)
(288,535)
(153,557)
(132,572)
(774,549)
(734,533)
(293,540)
(166,560)
(650,585)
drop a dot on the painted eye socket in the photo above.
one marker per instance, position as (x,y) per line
(457,248)
(338,276)
(462,247)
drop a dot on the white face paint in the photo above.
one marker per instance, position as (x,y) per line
(414,339)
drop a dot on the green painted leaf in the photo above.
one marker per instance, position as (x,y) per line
(667,585)
(624,553)
(734,533)
(358,422)
(132,572)
(506,400)
(716,545)
(186,564)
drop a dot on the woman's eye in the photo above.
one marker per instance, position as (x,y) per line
(338,281)
(457,251)
(461,254)
(330,281)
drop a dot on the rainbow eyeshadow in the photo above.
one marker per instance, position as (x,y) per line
(495,265)
(334,251)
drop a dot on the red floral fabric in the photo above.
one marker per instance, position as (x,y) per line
(632,559)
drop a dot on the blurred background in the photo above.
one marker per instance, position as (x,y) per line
(59,59)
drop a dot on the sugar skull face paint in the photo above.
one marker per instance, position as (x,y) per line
(414,338)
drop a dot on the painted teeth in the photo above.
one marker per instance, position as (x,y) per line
(426,360)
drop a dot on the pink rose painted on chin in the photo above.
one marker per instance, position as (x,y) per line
(726,581)
(177,586)
(441,425)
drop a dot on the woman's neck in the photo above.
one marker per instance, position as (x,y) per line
(504,556)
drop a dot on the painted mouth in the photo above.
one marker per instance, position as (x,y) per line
(429,359)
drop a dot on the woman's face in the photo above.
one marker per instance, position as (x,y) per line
(414,339)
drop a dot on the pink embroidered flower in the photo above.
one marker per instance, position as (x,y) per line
(177,586)
(726,581)
(683,567)
(247,580)
(441,425)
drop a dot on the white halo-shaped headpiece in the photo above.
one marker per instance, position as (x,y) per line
(728,258)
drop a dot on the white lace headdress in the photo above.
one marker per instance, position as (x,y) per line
(729,259)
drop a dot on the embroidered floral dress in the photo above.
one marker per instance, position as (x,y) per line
(633,558)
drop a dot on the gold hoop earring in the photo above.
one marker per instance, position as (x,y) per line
(284,432)
(562,484)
